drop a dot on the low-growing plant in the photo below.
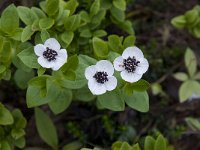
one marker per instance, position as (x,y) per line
(57,75)
(12,125)
(190,85)
(189,20)
(150,143)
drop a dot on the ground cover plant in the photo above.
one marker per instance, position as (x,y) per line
(99,75)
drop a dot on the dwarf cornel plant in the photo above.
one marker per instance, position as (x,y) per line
(60,51)
(79,30)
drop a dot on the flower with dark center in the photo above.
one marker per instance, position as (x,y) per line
(50,55)
(100,77)
(132,64)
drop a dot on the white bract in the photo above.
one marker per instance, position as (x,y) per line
(100,77)
(50,54)
(132,64)
(194,96)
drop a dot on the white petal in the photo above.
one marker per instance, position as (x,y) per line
(44,62)
(133,51)
(90,72)
(142,66)
(111,83)
(39,49)
(57,64)
(52,44)
(119,63)
(130,77)
(62,54)
(96,88)
(105,65)
(61,59)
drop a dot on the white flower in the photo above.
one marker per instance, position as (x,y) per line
(100,77)
(194,96)
(132,64)
(50,54)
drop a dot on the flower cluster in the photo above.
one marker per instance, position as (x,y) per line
(131,63)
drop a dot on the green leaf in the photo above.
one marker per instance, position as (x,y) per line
(188,88)
(44,35)
(179,22)
(115,43)
(86,60)
(94,8)
(196,31)
(35,26)
(112,56)
(41,91)
(138,101)
(126,26)
(38,12)
(86,33)
(190,61)
(72,146)
(105,4)
(125,146)
(29,58)
(2,69)
(140,85)
(9,19)
(62,102)
(192,17)
(197,76)
(52,7)
(17,34)
(84,94)
(129,41)
(160,143)
(71,5)
(65,82)
(5,145)
(6,54)
(97,19)
(67,37)
(17,133)
(71,23)
(99,33)
(46,23)
(149,143)
(46,128)
(41,71)
(26,15)
(26,33)
(112,100)
(85,16)
(193,123)
(20,143)
(100,47)
(120,4)
(136,147)
(118,14)
(181,76)
(6,117)
(21,78)
(72,64)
